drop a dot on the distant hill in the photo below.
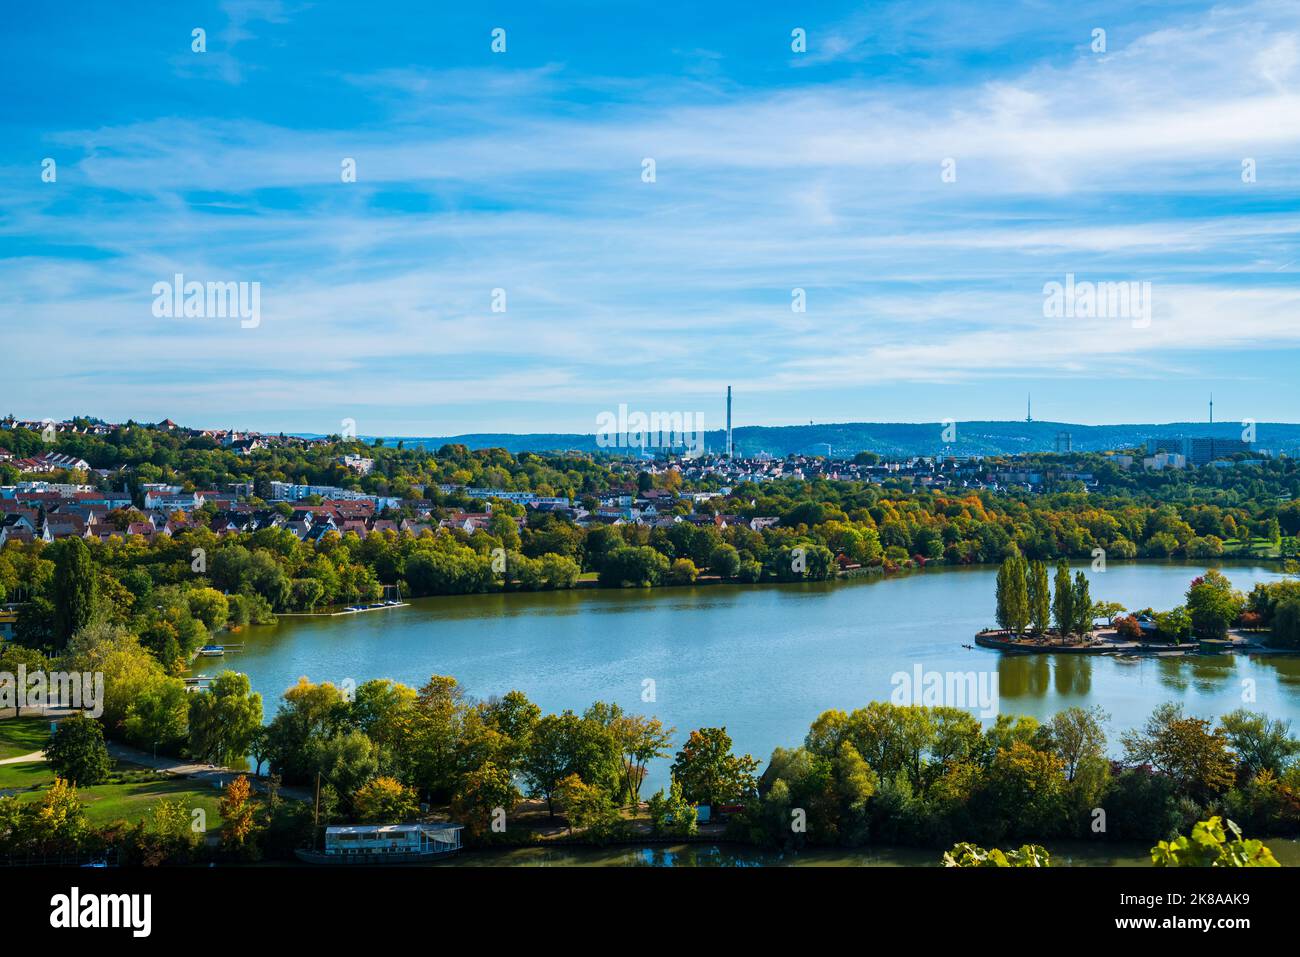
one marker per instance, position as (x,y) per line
(903,438)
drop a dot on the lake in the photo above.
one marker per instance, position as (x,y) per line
(764,660)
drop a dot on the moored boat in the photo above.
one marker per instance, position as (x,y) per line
(385,844)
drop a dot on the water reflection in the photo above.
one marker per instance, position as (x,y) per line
(1073,678)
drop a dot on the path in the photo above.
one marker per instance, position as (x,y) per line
(24,758)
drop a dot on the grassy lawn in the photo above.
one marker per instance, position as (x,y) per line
(1256,547)
(20,736)
(130,795)
(25,775)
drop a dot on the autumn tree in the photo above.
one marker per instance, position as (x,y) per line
(1194,757)
(236,814)
(709,773)
(385,800)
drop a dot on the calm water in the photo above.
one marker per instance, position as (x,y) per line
(1066,854)
(763,661)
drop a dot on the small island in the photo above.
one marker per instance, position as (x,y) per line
(1216,618)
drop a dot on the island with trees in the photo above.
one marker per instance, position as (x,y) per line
(1063,617)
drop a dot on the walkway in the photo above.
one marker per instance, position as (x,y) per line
(24,758)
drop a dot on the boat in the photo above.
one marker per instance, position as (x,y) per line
(385,844)
(212,651)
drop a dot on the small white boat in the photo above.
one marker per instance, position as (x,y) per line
(212,651)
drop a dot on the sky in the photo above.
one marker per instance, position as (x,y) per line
(917,175)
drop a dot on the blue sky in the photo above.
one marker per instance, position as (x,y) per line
(522,171)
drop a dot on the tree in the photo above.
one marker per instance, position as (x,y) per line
(709,773)
(1107,610)
(482,793)
(682,572)
(1063,600)
(75,589)
(1081,605)
(1039,594)
(385,800)
(236,813)
(59,824)
(1075,735)
(224,719)
(129,670)
(1194,758)
(724,561)
(431,749)
(549,757)
(1260,743)
(346,760)
(1012,594)
(672,814)
(308,713)
(1286,623)
(640,740)
(566,744)
(585,806)
(1213,604)
(77,752)
(159,716)
(1208,846)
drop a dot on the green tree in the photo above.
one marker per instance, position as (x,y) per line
(481,794)
(223,719)
(1063,600)
(586,807)
(75,591)
(640,740)
(1081,605)
(1039,594)
(77,751)
(709,773)
(724,561)
(1012,594)
(1075,736)
(672,814)
(1259,742)
(159,716)
(1213,604)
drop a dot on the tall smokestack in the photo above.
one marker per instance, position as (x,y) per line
(729,447)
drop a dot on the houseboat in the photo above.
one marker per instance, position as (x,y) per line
(385,844)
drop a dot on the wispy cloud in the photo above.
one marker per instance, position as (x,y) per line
(471,178)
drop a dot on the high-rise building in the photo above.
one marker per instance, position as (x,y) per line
(1064,442)
(1198,449)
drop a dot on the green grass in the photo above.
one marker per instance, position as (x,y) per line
(24,735)
(129,795)
(25,775)
(133,798)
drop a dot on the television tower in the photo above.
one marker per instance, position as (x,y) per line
(729,446)
(1211,408)
(1029,407)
